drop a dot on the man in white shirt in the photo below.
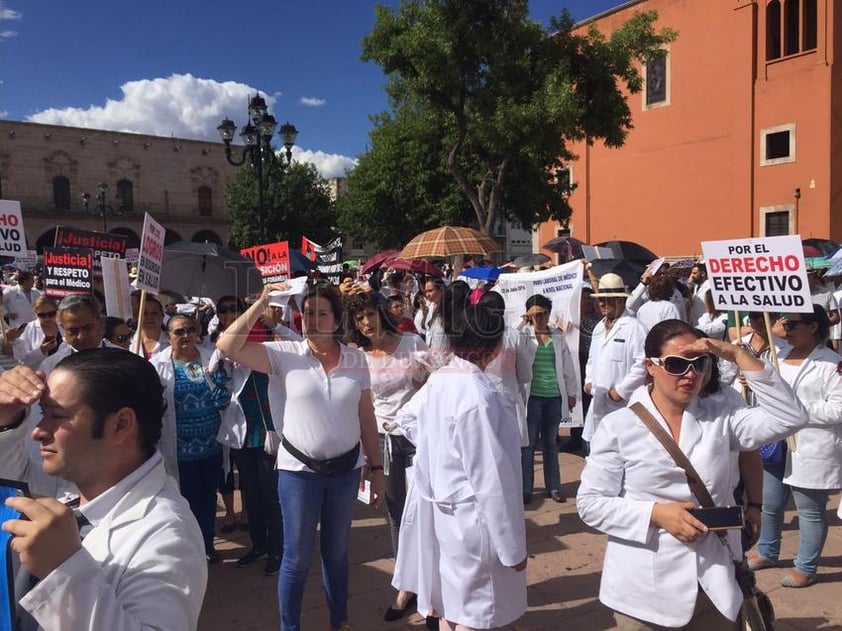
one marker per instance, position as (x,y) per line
(17,301)
(142,564)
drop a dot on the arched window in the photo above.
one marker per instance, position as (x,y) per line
(205,201)
(125,194)
(61,192)
(206,236)
(810,24)
(773,30)
(792,31)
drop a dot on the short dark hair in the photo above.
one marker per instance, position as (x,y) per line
(492,301)
(111,323)
(113,378)
(74,303)
(483,331)
(334,298)
(179,316)
(539,300)
(819,316)
(661,287)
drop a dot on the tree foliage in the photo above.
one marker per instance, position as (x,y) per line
(297,203)
(494,100)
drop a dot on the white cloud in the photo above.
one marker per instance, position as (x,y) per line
(184,106)
(7,35)
(8,14)
(4,113)
(312,101)
(328,164)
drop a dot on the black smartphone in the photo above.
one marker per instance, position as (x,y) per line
(720,517)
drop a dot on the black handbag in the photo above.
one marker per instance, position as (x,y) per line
(757,613)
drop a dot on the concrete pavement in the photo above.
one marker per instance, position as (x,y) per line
(563,575)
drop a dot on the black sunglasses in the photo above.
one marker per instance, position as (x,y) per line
(123,338)
(676,365)
(789,325)
(46,314)
(227,309)
(182,332)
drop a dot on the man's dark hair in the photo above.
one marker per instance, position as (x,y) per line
(113,378)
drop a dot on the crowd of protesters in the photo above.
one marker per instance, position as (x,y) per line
(315,396)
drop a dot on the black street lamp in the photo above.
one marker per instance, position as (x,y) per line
(257,138)
(102,208)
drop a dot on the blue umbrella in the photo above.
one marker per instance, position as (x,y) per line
(486,274)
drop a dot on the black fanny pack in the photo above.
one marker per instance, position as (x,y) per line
(332,467)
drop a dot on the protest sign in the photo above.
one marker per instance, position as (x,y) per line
(563,286)
(115,286)
(98,242)
(593,252)
(151,255)
(69,271)
(12,236)
(27,259)
(132,255)
(758,274)
(328,258)
(271,259)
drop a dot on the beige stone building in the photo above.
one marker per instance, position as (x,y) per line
(181,183)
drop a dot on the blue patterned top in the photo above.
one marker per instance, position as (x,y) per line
(196,417)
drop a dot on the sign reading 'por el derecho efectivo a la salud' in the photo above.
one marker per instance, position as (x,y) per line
(12,236)
(758,274)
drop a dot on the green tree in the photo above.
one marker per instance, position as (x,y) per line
(297,203)
(506,95)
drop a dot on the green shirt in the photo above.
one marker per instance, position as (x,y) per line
(544,378)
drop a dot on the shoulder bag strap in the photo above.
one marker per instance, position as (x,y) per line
(693,478)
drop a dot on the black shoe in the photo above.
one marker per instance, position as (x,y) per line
(393,613)
(527,498)
(250,557)
(558,497)
(272,567)
(212,556)
(432,623)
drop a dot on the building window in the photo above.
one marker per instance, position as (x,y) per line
(792,31)
(773,30)
(205,201)
(777,145)
(125,194)
(564,178)
(656,70)
(776,221)
(810,25)
(61,192)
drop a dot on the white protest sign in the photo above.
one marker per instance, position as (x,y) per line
(26,259)
(563,286)
(115,284)
(151,255)
(12,236)
(758,274)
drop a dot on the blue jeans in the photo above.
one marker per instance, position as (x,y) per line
(543,416)
(199,480)
(812,521)
(308,499)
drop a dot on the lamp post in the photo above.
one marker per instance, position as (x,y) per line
(256,135)
(102,208)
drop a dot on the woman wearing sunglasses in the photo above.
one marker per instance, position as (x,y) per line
(192,414)
(815,467)
(118,332)
(39,338)
(662,567)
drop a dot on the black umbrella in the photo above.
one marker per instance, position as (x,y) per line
(629,271)
(528,260)
(630,251)
(569,248)
(208,270)
(825,246)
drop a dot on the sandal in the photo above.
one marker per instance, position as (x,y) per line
(798,580)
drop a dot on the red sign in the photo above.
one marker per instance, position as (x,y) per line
(271,259)
(99,242)
(69,271)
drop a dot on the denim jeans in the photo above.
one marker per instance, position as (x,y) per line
(199,480)
(812,521)
(308,499)
(543,416)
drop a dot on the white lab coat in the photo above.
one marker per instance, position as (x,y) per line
(15,301)
(162,362)
(817,460)
(511,374)
(647,573)
(27,348)
(615,360)
(463,527)
(142,567)
(565,369)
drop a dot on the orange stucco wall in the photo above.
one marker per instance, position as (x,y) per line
(690,170)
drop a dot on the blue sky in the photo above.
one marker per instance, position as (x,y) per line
(177,67)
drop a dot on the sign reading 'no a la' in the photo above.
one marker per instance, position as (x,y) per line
(758,274)
(12,236)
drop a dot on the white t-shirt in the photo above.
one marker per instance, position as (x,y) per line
(394,378)
(321,410)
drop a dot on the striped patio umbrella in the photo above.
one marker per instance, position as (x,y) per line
(449,241)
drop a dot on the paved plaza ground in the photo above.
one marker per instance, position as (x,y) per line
(565,559)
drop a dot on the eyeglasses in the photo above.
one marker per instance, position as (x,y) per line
(789,325)
(677,366)
(122,338)
(182,332)
(46,314)
(227,309)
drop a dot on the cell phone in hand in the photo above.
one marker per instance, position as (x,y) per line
(720,517)
(11,488)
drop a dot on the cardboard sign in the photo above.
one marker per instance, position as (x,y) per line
(563,286)
(27,259)
(116,288)
(151,255)
(271,259)
(12,236)
(762,274)
(69,271)
(99,242)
